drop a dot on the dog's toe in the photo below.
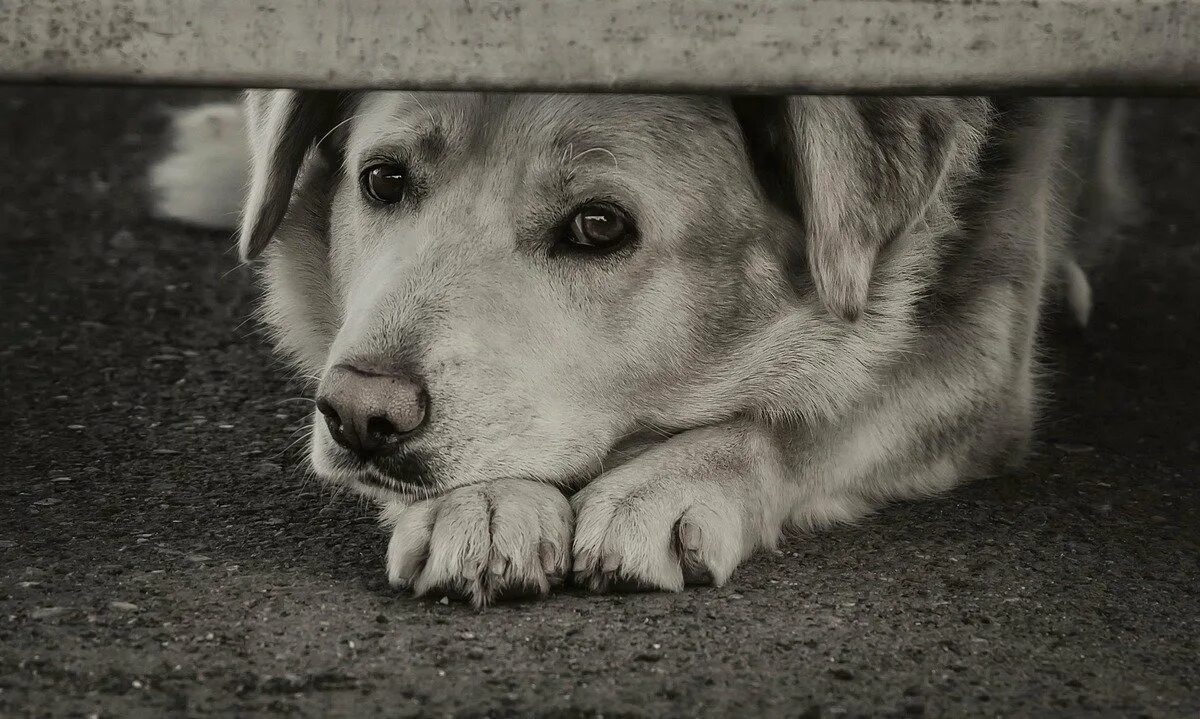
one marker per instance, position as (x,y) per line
(690,547)
(483,543)
(650,538)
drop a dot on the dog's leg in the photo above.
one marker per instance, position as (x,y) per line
(1116,195)
(686,511)
(1102,199)
(1079,291)
(693,507)
(503,538)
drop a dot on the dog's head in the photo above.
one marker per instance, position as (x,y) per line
(493,286)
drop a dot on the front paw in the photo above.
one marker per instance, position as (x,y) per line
(502,539)
(634,533)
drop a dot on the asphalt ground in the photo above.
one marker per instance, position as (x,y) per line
(162,552)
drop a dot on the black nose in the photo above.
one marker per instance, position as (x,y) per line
(371,413)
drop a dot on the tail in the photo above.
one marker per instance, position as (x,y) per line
(1105,201)
(202,179)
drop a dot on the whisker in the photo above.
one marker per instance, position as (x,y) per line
(597,149)
(304,438)
(421,105)
(335,127)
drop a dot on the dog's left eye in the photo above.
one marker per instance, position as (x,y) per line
(385,183)
(599,226)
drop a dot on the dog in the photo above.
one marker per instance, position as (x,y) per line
(628,340)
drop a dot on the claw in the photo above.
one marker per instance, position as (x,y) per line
(498,566)
(548,556)
(688,535)
(584,562)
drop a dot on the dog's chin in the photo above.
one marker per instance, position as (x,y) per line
(405,477)
(410,476)
(381,485)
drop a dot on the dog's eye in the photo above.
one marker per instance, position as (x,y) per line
(385,183)
(599,226)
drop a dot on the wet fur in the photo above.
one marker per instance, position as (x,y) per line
(835,304)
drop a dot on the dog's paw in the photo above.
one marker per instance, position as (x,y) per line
(635,533)
(503,539)
(202,179)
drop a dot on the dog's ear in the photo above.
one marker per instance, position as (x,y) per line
(283,127)
(859,172)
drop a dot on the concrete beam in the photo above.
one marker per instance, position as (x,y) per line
(826,46)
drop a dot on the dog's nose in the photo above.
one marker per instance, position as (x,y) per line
(370,413)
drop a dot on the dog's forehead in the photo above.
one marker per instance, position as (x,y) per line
(537,121)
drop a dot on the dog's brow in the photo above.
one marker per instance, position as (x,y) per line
(409,129)
(581,152)
(602,150)
(422,143)
(431,144)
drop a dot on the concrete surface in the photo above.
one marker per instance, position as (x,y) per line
(162,553)
(826,45)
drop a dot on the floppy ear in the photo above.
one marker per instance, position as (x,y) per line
(283,126)
(860,172)
(867,170)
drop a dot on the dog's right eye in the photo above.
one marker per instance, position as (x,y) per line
(598,227)
(385,183)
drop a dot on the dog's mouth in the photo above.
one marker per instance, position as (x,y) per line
(405,475)
(375,479)
(410,476)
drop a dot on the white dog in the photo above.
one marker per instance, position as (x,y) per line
(636,336)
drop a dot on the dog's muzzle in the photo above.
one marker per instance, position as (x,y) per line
(369,413)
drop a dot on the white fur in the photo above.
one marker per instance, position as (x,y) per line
(502,539)
(654,523)
(203,180)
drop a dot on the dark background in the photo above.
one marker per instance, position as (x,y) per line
(162,549)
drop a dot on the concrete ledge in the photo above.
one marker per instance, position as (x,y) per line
(1050,46)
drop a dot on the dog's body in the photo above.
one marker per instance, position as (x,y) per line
(828,303)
